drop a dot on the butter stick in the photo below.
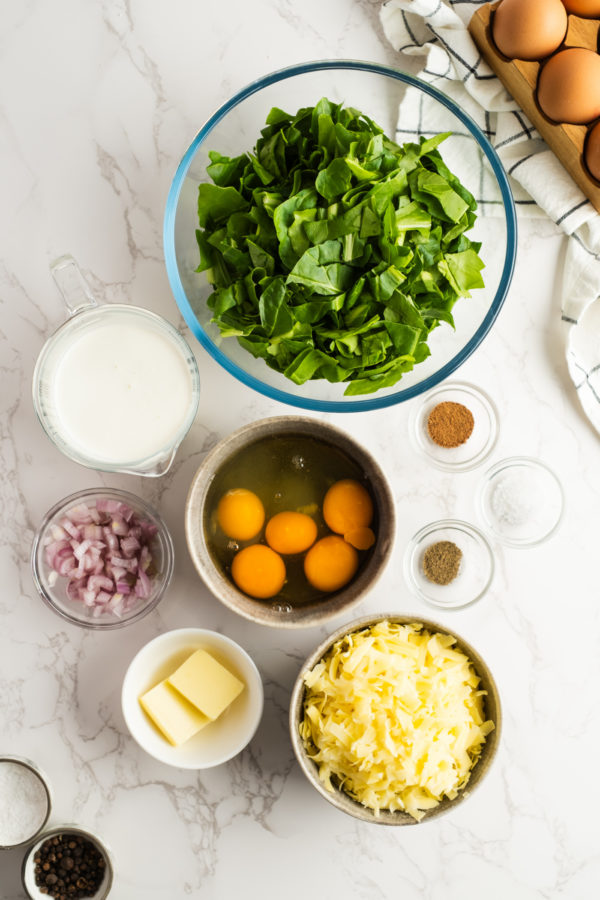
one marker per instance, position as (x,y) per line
(206,684)
(174,716)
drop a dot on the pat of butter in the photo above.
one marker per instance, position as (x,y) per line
(172,714)
(208,685)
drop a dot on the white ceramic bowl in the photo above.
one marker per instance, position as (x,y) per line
(217,742)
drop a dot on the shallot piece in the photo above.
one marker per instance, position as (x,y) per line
(104,552)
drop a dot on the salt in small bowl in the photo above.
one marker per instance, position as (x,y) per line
(520,501)
(32,796)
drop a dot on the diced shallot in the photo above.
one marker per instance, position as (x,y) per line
(142,585)
(129,545)
(119,525)
(104,552)
(81,549)
(92,532)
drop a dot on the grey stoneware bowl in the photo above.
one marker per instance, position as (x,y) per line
(271,612)
(343,801)
(28,868)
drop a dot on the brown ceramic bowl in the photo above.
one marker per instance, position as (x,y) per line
(343,801)
(270,612)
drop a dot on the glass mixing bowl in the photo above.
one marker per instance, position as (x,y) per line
(377,91)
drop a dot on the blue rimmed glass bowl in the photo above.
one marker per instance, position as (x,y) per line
(379,92)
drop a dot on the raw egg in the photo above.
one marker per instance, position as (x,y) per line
(568,88)
(529,29)
(291,532)
(347,506)
(330,563)
(240,514)
(258,571)
(587,9)
(592,152)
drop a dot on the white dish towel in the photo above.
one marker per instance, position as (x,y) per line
(436,30)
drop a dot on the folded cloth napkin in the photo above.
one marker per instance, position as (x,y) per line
(436,30)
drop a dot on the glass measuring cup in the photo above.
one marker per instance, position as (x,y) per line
(116,387)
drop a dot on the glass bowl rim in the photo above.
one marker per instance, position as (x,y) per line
(137,503)
(428,530)
(338,405)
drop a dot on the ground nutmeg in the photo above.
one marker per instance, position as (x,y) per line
(450,424)
(68,867)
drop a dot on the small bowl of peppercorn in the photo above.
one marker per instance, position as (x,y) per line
(455,427)
(67,863)
(449,564)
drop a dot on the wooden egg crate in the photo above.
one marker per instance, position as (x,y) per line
(519,77)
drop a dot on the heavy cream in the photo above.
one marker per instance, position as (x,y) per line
(121,391)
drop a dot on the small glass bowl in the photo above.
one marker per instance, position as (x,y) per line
(54,593)
(33,769)
(475,572)
(483,437)
(520,501)
(28,868)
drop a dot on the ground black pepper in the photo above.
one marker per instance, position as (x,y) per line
(68,867)
(450,424)
(441,562)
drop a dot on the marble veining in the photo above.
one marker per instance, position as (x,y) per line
(97,104)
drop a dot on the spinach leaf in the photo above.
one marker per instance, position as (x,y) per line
(333,251)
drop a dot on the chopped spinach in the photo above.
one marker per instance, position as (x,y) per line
(333,251)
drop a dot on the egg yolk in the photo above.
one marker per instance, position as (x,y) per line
(361,538)
(291,532)
(330,563)
(240,514)
(347,506)
(258,571)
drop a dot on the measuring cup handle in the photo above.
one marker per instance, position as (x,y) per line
(73,287)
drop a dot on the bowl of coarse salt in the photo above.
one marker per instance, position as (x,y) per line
(24,802)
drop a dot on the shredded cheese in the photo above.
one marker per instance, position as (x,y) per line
(393,716)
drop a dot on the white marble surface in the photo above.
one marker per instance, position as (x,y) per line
(98,101)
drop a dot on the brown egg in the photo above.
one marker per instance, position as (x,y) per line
(592,151)
(568,88)
(587,9)
(529,29)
